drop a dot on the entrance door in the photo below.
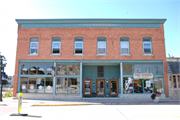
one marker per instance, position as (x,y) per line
(100,87)
(113,87)
(87,87)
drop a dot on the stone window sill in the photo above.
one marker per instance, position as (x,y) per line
(55,54)
(125,54)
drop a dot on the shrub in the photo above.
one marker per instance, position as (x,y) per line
(8,94)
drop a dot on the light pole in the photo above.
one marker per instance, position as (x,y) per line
(2,58)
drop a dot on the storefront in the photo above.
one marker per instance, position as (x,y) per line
(91,78)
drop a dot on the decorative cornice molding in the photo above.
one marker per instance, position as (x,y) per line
(100,25)
(90,21)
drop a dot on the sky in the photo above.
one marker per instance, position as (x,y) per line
(57,9)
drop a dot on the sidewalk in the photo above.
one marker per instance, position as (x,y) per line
(30,102)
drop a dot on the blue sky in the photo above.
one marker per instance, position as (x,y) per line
(36,9)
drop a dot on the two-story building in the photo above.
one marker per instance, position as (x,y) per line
(75,58)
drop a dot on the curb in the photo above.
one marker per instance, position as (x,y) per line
(58,104)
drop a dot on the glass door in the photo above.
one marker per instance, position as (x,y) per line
(100,87)
(87,87)
(113,87)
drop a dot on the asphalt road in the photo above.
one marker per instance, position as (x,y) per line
(95,112)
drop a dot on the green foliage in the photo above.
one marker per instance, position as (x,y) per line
(5,82)
(8,94)
(155,90)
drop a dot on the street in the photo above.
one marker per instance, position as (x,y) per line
(96,112)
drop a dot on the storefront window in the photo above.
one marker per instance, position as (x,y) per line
(32,69)
(127,69)
(32,84)
(73,85)
(49,85)
(127,85)
(61,85)
(74,70)
(158,85)
(138,86)
(61,69)
(157,69)
(49,68)
(23,86)
(148,86)
(41,69)
(40,85)
(137,68)
(24,69)
(147,68)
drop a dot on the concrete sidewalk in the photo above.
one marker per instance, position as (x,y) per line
(30,102)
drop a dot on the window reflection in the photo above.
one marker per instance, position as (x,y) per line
(32,84)
(128,85)
(32,69)
(62,69)
(73,69)
(41,69)
(49,85)
(24,69)
(24,81)
(40,85)
(61,85)
(49,68)
(73,85)
(158,84)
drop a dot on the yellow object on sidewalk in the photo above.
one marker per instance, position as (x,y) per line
(20,102)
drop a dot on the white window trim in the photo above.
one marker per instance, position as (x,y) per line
(56,47)
(78,47)
(34,48)
(121,48)
(150,48)
(102,47)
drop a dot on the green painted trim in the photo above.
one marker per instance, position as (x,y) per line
(89,21)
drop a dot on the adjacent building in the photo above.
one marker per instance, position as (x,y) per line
(174,77)
(78,58)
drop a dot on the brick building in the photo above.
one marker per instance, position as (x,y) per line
(90,58)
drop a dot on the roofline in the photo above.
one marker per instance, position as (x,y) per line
(88,21)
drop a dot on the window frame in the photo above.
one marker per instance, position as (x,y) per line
(78,41)
(150,41)
(56,48)
(101,41)
(124,42)
(177,82)
(31,41)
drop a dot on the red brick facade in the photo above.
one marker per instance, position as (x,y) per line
(90,35)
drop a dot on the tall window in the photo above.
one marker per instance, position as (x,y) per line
(147,46)
(124,45)
(78,46)
(101,50)
(100,71)
(34,44)
(56,45)
(176,81)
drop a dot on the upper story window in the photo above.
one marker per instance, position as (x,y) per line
(101,46)
(124,46)
(147,46)
(56,45)
(78,45)
(34,44)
